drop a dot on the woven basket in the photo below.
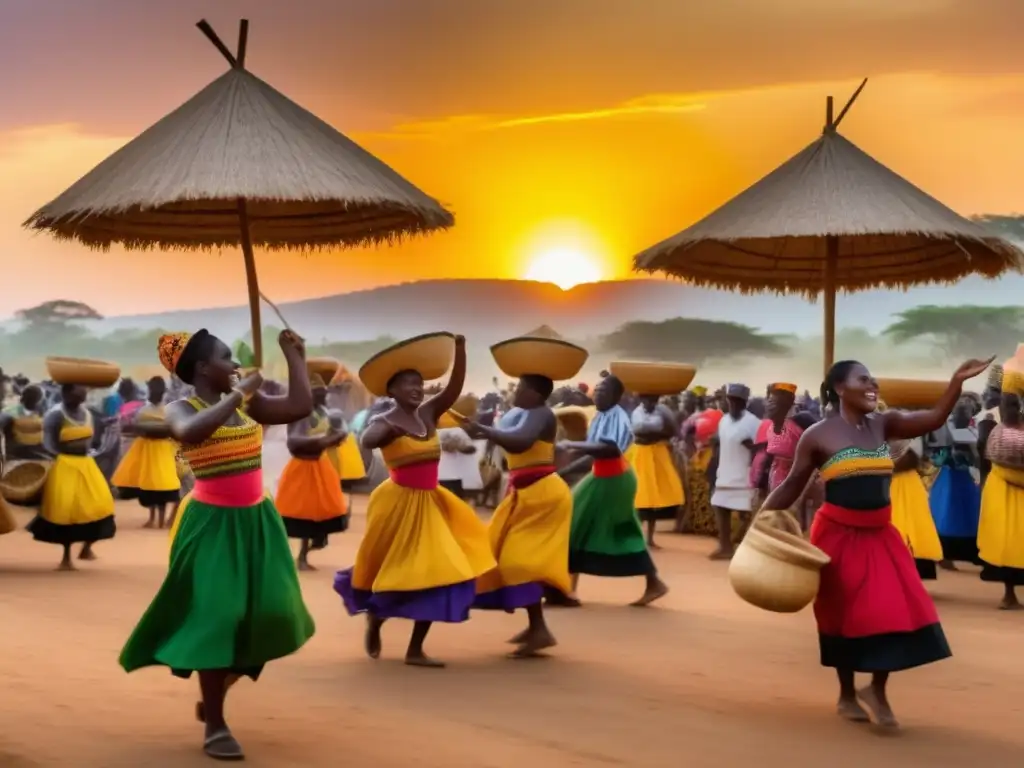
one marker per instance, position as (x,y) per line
(774,567)
(653,378)
(531,355)
(910,393)
(23,483)
(80,370)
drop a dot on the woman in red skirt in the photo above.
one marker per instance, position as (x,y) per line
(873,612)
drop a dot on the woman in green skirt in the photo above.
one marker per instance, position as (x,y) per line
(606,537)
(230,601)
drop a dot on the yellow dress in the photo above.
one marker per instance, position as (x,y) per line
(912,513)
(77,503)
(149,471)
(1001,527)
(347,460)
(659,490)
(423,548)
(529,533)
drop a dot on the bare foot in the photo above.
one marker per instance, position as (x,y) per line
(881,711)
(533,644)
(371,641)
(652,545)
(948,565)
(850,709)
(520,638)
(421,659)
(562,601)
(655,591)
(721,554)
(87,554)
(302,565)
(149,524)
(1010,604)
(66,565)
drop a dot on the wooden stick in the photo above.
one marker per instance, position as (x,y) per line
(206,29)
(277,311)
(243,42)
(828,113)
(252,282)
(831,267)
(849,104)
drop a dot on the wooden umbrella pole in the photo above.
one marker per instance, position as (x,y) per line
(252,283)
(831,267)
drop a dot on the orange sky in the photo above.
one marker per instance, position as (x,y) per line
(591,124)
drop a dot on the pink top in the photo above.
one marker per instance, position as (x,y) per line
(421,476)
(241,490)
(757,465)
(782,449)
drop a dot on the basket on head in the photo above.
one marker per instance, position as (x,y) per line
(82,371)
(555,359)
(911,393)
(23,483)
(774,567)
(430,355)
(653,378)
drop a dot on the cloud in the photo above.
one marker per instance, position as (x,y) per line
(660,104)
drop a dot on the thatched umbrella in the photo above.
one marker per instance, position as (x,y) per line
(239,164)
(831,218)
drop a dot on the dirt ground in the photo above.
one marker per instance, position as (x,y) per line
(700,680)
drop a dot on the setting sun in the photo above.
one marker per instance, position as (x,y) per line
(565,267)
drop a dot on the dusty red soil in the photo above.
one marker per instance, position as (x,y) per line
(700,680)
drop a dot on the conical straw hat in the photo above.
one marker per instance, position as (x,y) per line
(430,355)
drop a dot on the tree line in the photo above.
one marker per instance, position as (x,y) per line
(944,333)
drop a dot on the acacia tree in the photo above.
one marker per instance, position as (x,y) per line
(693,340)
(961,331)
(53,327)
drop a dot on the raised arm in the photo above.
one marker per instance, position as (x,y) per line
(520,438)
(443,401)
(297,402)
(191,427)
(905,426)
(804,465)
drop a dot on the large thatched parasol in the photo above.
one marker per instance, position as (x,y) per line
(830,218)
(240,164)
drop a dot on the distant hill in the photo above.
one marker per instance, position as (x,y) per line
(490,310)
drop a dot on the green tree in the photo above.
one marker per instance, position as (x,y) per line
(54,326)
(688,339)
(963,331)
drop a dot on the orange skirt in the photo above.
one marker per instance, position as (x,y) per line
(310,500)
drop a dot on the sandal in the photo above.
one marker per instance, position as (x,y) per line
(221,745)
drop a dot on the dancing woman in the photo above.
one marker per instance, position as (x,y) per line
(424,547)
(230,601)
(529,531)
(1001,529)
(22,426)
(309,495)
(659,492)
(606,537)
(873,612)
(77,503)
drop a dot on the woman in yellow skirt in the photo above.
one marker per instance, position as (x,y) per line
(346,458)
(77,504)
(309,495)
(149,471)
(529,531)
(423,548)
(1001,528)
(659,493)
(911,511)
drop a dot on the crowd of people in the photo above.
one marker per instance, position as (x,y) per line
(891,495)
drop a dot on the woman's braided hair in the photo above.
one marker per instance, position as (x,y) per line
(836,375)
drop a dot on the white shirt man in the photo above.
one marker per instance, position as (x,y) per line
(737,431)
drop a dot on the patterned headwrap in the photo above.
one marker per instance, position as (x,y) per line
(170,348)
(784,387)
(1013,382)
(316,381)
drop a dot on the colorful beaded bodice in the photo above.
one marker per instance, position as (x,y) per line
(857,478)
(230,450)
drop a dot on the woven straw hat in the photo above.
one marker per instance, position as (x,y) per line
(430,355)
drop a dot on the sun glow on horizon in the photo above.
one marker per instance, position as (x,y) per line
(565,267)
